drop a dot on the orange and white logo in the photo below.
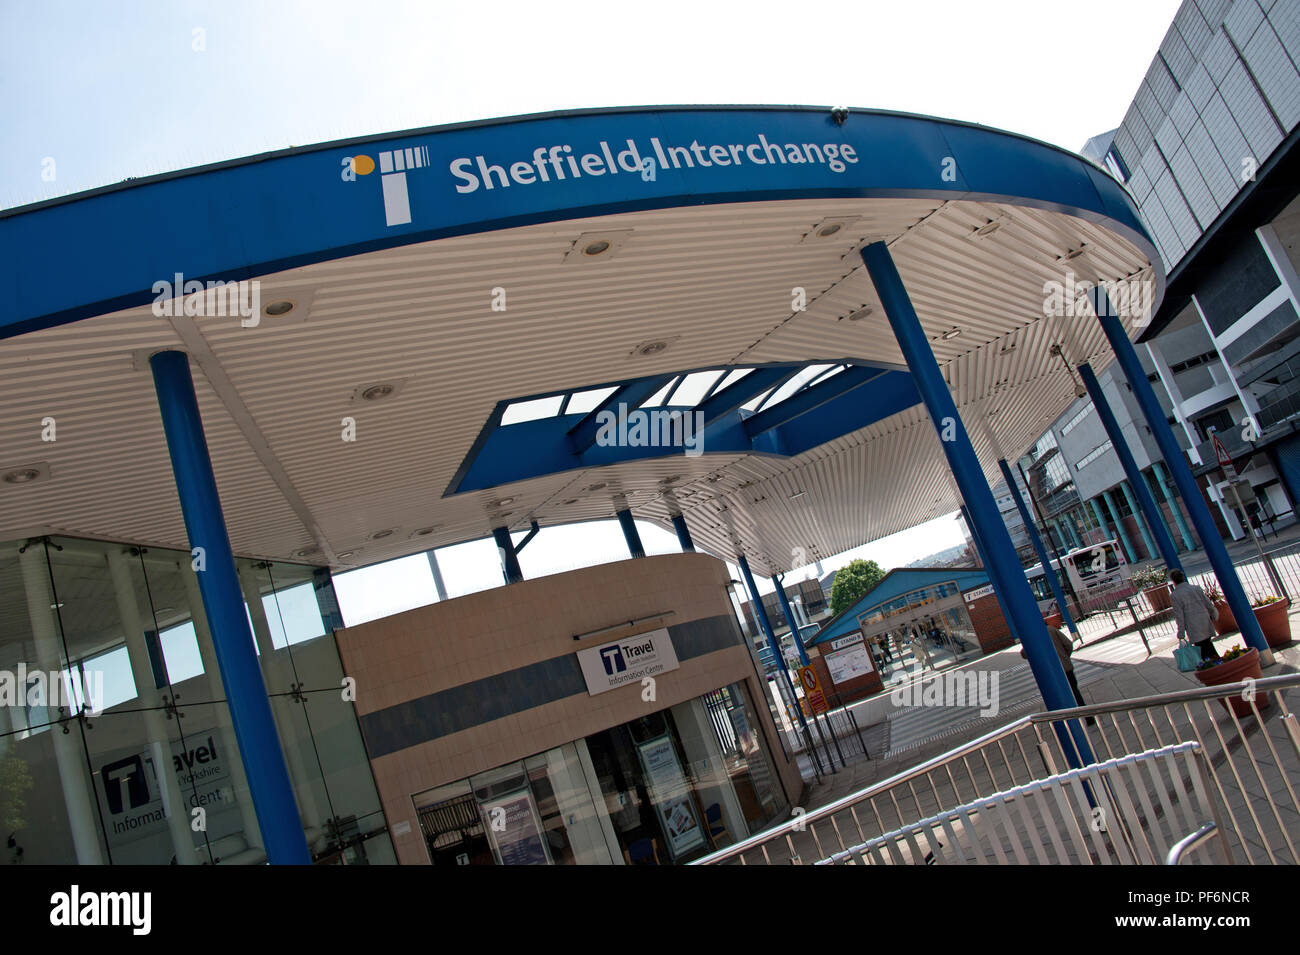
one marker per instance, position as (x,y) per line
(394,164)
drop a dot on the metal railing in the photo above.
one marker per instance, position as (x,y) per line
(1102,812)
(1253,766)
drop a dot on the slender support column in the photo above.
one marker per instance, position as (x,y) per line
(211,670)
(434,569)
(1166,376)
(789,617)
(760,614)
(1056,551)
(1101,519)
(250,709)
(1003,564)
(1127,489)
(1164,543)
(155,722)
(630,533)
(277,674)
(1048,571)
(1182,475)
(68,756)
(979,549)
(509,556)
(683,533)
(1118,519)
(1162,479)
(327,601)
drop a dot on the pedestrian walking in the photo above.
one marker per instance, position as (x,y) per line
(1064,649)
(1195,614)
(919,652)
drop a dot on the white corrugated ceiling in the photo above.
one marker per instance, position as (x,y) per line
(714,282)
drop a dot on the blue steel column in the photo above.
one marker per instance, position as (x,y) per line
(510,568)
(789,616)
(683,533)
(1127,488)
(1159,470)
(1188,490)
(1164,543)
(1101,520)
(979,549)
(1003,564)
(223,603)
(1048,571)
(630,534)
(1118,520)
(760,614)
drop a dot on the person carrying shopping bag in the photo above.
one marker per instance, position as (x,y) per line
(1195,614)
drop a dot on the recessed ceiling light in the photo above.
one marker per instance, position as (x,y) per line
(424,531)
(306,552)
(504,502)
(1072,254)
(595,248)
(21,476)
(380,535)
(651,348)
(600,486)
(987,228)
(282,307)
(57,605)
(346,554)
(572,500)
(796,494)
(951,333)
(377,392)
(829,229)
(864,312)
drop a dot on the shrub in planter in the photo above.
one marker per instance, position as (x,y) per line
(1271,612)
(1236,665)
(1226,623)
(1153,581)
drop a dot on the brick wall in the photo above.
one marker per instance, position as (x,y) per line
(990,626)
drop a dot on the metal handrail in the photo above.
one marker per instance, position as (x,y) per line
(1191,842)
(799,823)
(1087,773)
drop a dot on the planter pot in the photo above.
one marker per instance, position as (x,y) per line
(1275,623)
(1226,623)
(1158,597)
(1053,620)
(1234,671)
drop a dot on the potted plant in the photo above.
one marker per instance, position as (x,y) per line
(1226,622)
(1153,581)
(1234,666)
(1271,612)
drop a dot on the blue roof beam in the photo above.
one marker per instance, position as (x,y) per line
(583,434)
(811,398)
(729,399)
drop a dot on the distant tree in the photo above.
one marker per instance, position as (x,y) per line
(852,582)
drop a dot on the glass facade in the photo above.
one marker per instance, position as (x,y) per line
(666,788)
(116,744)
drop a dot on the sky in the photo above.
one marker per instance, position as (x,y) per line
(94,93)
